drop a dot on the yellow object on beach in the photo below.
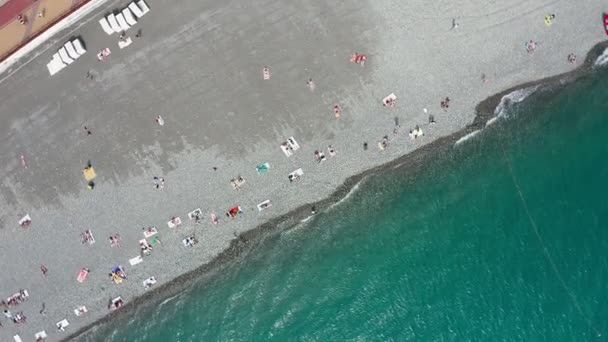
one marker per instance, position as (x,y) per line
(89,173)
(548,20)
(117,279)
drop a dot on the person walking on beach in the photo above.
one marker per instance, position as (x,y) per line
(454,24)
(44,270)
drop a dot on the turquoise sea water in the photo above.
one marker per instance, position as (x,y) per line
(448,254)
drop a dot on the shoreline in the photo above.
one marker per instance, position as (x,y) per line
(247,241)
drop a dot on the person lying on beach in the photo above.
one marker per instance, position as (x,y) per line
(331,151)
(311,85)
(337,111)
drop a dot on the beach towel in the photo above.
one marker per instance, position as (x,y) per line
(149,282)
(81,310)
(266,73)
(82,275)
(195,213)
(389,100)
(295,175)
(214,219)
(89,173)
(264,205)
(150,232)
(25,220)
(173,223)
(134,261)
(262,169)
(40,335)
(124,43)
(17,338)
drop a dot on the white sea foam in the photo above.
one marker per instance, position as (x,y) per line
(602,59)
(352,191)
(512,98)
(467,137)
(491,121)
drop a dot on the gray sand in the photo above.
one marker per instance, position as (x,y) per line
(199,65)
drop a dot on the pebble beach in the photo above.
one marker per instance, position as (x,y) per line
(200,66)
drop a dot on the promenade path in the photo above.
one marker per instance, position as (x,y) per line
(38,14)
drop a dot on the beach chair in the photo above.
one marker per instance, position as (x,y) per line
(293,144)
(55,65)
(144,7)
(129,16)
(64,56)
(122,22)
(106,26)
(78,46)
(69,47)
(136,10)
(113,23)
(117,303)
(286,150)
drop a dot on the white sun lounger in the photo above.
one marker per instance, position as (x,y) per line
(69,47)
(106,26)
(114,24)
(64,56)
(40,335)
(136,10)
(122,22)
(62,324)
(129,16)
(293,143)
(144,7)
(78,46)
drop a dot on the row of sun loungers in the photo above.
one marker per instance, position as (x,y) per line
(65,56)
(122,21)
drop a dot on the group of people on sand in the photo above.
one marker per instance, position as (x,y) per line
(15,299)
(18,318)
